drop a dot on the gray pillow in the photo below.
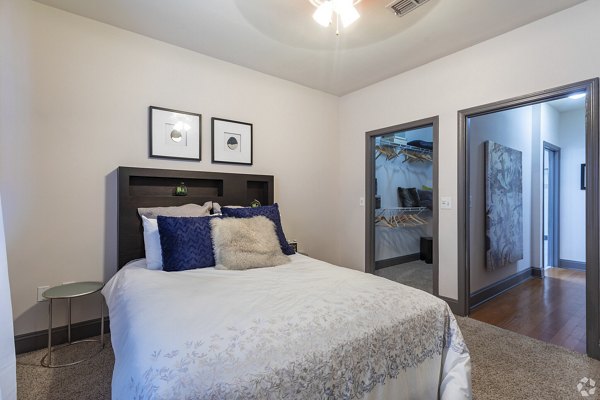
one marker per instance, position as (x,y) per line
(244,243)
(187,210)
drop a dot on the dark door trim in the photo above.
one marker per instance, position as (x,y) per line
(370,192)
(592,196)
(553,205)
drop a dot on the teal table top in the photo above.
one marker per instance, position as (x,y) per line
(74,289)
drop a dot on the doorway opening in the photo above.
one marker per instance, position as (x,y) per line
(401,204)
(551,205)
(528,233)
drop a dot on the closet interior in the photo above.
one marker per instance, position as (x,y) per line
(404,207)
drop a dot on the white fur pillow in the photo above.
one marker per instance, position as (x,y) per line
(244,243)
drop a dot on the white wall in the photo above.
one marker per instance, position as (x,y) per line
(511,128)
(549,125)
(74,103)
(572,198)
(534,57)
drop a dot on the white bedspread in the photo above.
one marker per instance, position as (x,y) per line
(305,330)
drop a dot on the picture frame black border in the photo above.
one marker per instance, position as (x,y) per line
(212,129)
(583,173)
(150,149)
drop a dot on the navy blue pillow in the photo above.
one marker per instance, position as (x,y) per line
(186,243)
(271,212)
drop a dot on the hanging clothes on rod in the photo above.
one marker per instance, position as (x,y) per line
(401,217)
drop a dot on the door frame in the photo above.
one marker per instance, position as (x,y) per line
(592,196)
(370,191)
(553,205)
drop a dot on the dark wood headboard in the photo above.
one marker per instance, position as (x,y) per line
(148,187)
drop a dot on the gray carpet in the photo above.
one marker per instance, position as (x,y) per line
(88,380)
(506,366)
(415,274)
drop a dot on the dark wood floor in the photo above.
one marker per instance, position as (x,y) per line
(552,309)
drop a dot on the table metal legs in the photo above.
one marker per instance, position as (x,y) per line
(47,359)
(69,322)
(49,333)
(102,321)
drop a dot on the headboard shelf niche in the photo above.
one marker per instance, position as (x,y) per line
(142,186)
(149,187)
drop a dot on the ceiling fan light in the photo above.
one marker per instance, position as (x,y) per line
(340,5)
(349,15)
(323,14)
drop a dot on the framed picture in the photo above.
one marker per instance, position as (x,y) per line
(231,142)
(175,134)
(583,173)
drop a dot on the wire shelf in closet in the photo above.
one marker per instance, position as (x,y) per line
(391,150)
(400,217)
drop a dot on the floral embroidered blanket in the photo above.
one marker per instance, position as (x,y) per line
(304,330)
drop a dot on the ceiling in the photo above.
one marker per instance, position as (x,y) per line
(566,104)
(279,37)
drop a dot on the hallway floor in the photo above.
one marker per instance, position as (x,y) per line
(550,309)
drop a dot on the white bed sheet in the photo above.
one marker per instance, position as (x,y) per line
(303,330)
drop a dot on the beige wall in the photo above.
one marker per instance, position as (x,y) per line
(551,52)
(74,103)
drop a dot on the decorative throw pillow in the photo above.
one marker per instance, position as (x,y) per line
(186,242)
(271,212)
(244,243)
(187,210)
(408,197)
(425,198)
(152,243)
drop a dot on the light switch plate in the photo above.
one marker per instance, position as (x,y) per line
(446,202)
(361,201)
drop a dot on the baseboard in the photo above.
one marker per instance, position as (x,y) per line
(397,260)
(79,330)
(453,305)
(570,264)
(536,272)
(489,292)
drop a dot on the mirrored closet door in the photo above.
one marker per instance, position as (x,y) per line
(403,206)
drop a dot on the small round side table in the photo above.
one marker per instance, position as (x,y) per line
(69,291)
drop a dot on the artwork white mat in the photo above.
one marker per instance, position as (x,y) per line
(231,141)
(174,134)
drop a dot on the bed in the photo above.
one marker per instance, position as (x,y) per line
(303,330)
